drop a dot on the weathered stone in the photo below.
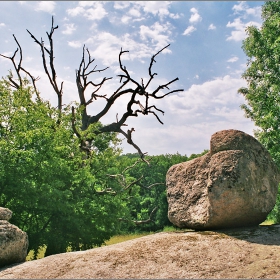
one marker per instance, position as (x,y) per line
(5,214)
(13,244)
(235,184)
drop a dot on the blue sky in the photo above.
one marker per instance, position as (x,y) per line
(205,54)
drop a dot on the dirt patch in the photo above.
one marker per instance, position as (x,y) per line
(236,253)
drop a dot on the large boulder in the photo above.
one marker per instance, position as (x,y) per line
(13,241)
(235,184)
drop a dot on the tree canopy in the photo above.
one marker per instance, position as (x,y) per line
(262,94)
(55,192)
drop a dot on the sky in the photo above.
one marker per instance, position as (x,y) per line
(205,53)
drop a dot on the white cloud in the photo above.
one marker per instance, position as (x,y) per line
(240,7)
(194,10)
(211,27)
(174,16)
(69,28)
(210,102)
(93,26)
(45,6)
(160,8)
(189,30)
(204,101)
(74,44)
(157,33)
(152,39)
(109,44)
(257,11)
(87,3)
(134,12)
(192,116)
(240,29)
(75,11)
(195,17)
(97,11)
(233,59)
(2,24)
(125,19)
(137,8)
(119,5)
(246,17)
(243,9)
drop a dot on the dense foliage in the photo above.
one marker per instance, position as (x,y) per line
(262,46)
(53,189)
(150,192)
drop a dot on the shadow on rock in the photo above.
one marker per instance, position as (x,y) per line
(266,235)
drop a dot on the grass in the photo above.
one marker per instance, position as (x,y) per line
(267,223)
(40,255)
(169,229)
(121,238)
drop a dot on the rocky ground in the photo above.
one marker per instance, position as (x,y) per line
(235,253)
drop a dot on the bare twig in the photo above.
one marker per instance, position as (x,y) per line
(52,73)
(141,222)
(150,186)
(18,68)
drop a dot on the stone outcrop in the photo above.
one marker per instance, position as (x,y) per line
(5,214)
(235,184)
(13,241)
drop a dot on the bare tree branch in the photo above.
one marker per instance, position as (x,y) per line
(82,84)
(73,121)
(134,91)
(51,76)
(150,186)
(34,80)
(141,222)
(19,68)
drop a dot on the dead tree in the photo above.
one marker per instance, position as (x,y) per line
(128,87)
(138,93)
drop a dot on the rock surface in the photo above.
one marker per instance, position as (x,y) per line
(13,241)
(235,184)
(246,253)
(5,214)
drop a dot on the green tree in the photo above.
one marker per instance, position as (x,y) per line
(150,193)
(55,192)
(262,46)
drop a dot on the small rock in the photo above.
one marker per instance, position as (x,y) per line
(13,244)
(234,185)
(5,214)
